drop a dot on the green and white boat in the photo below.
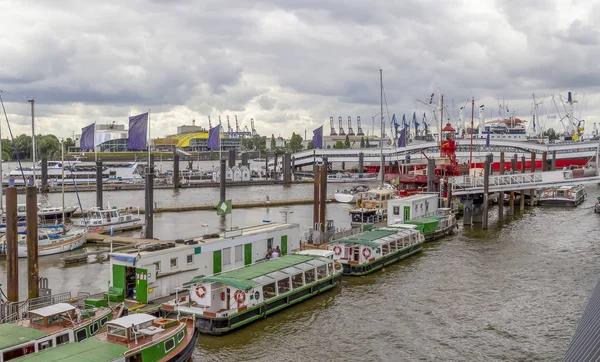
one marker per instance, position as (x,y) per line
(51,326)
(435,226)
(134,338)
(367,252)
(230,300)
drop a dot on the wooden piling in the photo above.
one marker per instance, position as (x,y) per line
(12,246)
(532,191)
(316,196)
(32,242)
(149,200)
(501,193)
(222,180)
(323,195)
(99,184)
(486,187)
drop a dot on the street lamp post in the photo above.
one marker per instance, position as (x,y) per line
(286,212)
(205,228)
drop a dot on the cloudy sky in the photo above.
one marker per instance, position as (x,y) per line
(288,64)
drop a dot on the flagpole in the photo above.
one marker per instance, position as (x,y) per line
(149,137)
(94,144)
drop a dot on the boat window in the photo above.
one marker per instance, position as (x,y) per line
(190,259)
(103,321)
(81,335)
(18,352)
(116,331)
(396,210)
(330,267)
(238,253)
(297,281)
(309,276)
(36,319)
(262,279)
(385,249)
(269,291)
(43,345)
(322,272)
(113,214)
(226,256)
(169,344)
(62,339)
(180,336)
(94,328)
(283,285)
(173,262)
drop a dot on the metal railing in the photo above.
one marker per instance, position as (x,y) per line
(470,182)
(13,311)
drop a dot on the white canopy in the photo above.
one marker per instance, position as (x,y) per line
(132,319)
(53,309)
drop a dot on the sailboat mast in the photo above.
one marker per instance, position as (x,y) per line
(382,125)
(62,176)
(441,121)
(32,101)
(472,128)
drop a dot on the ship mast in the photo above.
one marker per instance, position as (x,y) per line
(382,126)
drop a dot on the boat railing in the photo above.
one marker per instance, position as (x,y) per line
(13,311)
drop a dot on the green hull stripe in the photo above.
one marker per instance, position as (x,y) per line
(390,261)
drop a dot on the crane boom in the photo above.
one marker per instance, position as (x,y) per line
(333,132)
(359,132)
(342,133)
(350,130)
(209,124)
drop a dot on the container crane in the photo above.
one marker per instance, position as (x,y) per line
(359,131)
(333,132)
(342,133)
(254,134)
(237,126)
(209,124)
(350,130)
(229,129)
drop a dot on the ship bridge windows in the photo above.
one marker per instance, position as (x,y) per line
(283,285)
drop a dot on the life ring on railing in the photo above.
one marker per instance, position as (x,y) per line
(337,266)
(570,197)
(200,291)
(239,296)
(222,295)
(97,229)
(366,253)
(337,250)
(545,196)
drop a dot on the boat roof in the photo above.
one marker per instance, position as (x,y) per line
(53,309)
(242,278)
(425,220)
(316,252)
(418,197)
(374,238)
(90,350)
(132,319)
(12,334)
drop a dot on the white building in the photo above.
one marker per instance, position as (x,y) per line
(148,275)
(412,207)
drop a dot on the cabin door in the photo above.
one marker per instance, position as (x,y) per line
(248,254)
(406,213)
(283,245)
(141,285)
(228,299)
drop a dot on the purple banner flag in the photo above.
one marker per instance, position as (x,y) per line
(487,140)
(402,138)
(214,137)
(317,140)
(87,138)
(138,132)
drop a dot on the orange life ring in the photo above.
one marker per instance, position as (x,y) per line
(337,266)
(366,253)
(570,197)
(337,250)
(200,291)
(239,296)
(97,229)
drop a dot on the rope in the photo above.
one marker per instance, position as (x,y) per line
(13,142)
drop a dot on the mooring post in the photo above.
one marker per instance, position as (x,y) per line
(532,191)
(98,184)
(544,161)
(176,183)
(382,168)
(12,246)
(149,207)
(523,164)
(245,159)
(287,168)
(501,193)
(231,155)
(316,196)
(511,201)
(486,187)
(361,163)
(431,175)
(522,200)
(33,271)
(266,167)
(449,195)
(467,210)
(323,195)
(44,188)
(275,167)
(222,180)
(553,162)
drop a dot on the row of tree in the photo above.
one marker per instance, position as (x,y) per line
(46,146)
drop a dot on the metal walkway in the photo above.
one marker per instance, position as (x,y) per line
(469,185)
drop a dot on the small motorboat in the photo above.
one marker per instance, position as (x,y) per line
(347,196)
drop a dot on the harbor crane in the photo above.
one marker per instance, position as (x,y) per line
(350,130)
(333,132)
(237,125)
(342,133)
(359,132)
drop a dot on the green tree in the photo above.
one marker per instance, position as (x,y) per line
(551,134)
(69,143)
(309,146)
(47,146)
(367,144)
(23,146)
(248,143)
(260,143)
(339,145)
(273,144)
(295,143)
(347,142)
(362,142)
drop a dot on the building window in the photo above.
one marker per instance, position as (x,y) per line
(226,256)
(190,259)
(239,256)
(157,265)
(173,262)
(269,244)
(396,210)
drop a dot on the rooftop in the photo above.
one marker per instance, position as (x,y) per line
(53,309)
(132,319)
(11,335)
(90,350)
(242,278)
(423,196)
(375,238)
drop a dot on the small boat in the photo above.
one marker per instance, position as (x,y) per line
(104,220)
(367,252)
(51,240)
(227,301)
(569,195)
(48,212)
(436,226)
(371,206)
(347,196)
(350,177)
(137,337)
(52,326)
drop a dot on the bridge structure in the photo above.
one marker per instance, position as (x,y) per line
(418,152)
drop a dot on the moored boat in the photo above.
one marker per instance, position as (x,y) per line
(51,241)
(367,252)
(347,196)
(371,206)
(137,337)
(104,220)
(569,195)
(230,300)
(50,327)
(435,226)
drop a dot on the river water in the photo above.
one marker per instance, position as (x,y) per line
(512,293)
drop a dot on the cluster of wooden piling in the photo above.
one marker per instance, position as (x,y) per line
(320,195)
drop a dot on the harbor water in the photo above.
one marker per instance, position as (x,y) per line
(512,293)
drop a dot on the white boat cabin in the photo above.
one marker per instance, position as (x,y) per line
(375,244)
(403,209)
(148,274)
(237,290)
